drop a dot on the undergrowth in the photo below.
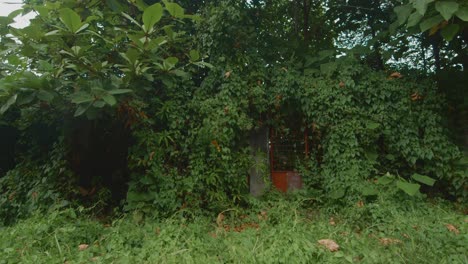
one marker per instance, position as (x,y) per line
(275,230)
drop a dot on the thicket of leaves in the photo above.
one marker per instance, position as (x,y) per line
(147,104)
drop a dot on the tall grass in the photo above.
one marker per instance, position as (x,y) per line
(277,231)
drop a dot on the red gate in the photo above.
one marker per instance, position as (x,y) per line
(287,146)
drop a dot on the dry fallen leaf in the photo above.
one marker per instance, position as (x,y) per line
(452,229)
(360,204)
(396,75)
(389,241)
(227,74)
(416,96)
(263,215)
(332,221)
(329,244)
(83,247)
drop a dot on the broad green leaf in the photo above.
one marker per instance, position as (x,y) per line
(174,9)
(109,99)
(120,91)
(430,22)
(462,161)
(81,97)
(423,179)
(8,103)
(151,16)
(326,54)
(421,6)
(450,31)
(15,13)
(99,104)
(194,55)
(26,98)
(386,179)
(369,191)
(170,62)
(371,155)
(71,19)
(403,13)
(462,13)
(338,193)
(45,96)
(414,19)
(446,8)
(393,27)
(409,188)
(181,73)
(81,109)
(328,68)
(372,125)
(131,55)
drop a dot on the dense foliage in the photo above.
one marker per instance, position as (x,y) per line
(142,105)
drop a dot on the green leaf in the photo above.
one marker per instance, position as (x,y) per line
(446,9)
(194,55)
(204,64)
(403,13)
(131,19)
(151,16)
(83,27)
(99,104)
(81,109)
(371,155)
(8,103)
(423,179)
(369,191)
(386,179)
(45,96)
(26,98)
(328,68)
(450,31)
(109,99)
(414,19)
(462,13)
(409,188)
(170,62)
(71,19)
(372,125)
(430,22)
(120,91)
(338,193)
(174,9)
(421,6)
(81,97)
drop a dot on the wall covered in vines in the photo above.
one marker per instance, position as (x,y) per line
(147,108)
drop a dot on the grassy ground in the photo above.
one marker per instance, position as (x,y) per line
(269,232)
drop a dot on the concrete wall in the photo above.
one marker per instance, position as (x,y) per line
(260,171)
